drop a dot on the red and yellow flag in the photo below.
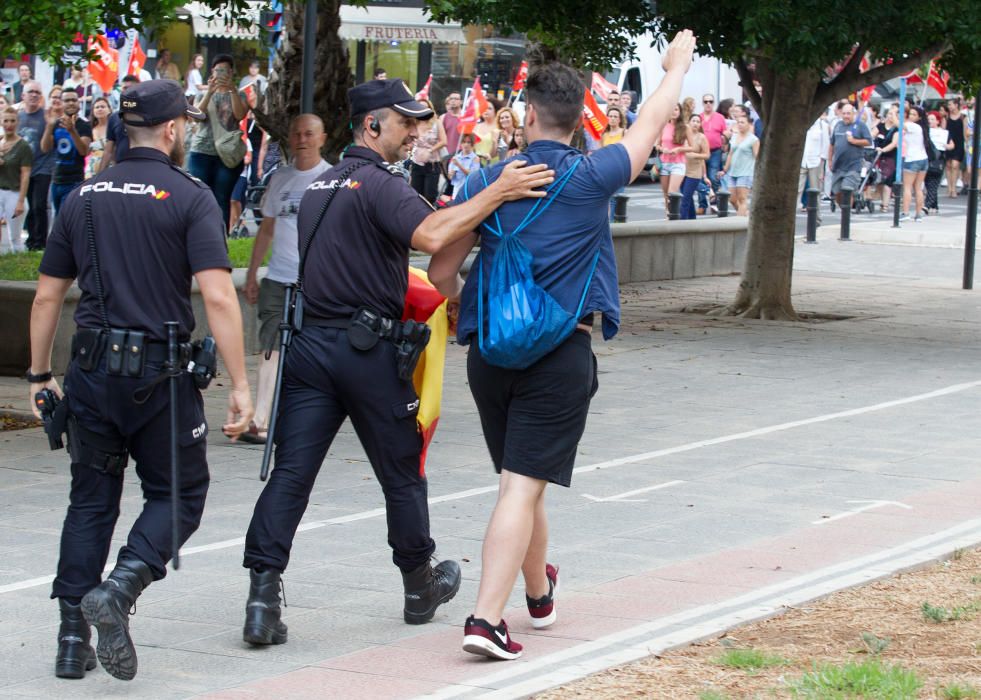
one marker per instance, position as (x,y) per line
(521,78)
(137,59)
(593,119)
(426,305)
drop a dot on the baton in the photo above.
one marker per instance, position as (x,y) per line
(175,487)
(285,336)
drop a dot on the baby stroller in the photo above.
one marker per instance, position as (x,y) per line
(253,200)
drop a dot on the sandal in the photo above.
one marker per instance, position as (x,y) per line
(253,435)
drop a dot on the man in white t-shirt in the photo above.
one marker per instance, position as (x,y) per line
(280,205)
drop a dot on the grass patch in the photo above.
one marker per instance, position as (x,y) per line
(712,695)
(873,644)
(22,267)
(958,691)
(939,614)
(869,679)
(749,659)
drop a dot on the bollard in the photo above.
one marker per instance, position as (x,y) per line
(620,208)
(897,201)
(722,203)
(846,214)
(812,214)
(674,206)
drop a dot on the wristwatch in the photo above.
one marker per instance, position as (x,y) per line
(38,378)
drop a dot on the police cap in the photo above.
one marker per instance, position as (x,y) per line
(393,93)
(155,102)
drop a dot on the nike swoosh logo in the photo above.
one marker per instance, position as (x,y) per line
(502,637)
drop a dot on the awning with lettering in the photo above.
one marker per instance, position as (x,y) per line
(396,24)
(207,22)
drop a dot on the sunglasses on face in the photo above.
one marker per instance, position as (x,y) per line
(708,102)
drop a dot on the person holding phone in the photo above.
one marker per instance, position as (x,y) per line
(217,153)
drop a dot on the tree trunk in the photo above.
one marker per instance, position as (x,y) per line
(332,78)
(764,291)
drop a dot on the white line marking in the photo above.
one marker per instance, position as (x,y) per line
(622,497)
(643,457)
(585,658)
(869,505)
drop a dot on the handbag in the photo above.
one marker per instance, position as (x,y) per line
(230,147)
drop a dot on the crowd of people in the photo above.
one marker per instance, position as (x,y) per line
(60,139)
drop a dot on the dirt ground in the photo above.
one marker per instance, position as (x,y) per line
(851,626)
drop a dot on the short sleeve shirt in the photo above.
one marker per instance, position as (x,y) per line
(155,226)
(564,240)
(69,163)
(848,158)
(30,127)
(19,156)
(712,127)
(281,202)
(359,255)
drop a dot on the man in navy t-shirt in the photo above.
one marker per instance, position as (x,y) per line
(68,136)
(533,418)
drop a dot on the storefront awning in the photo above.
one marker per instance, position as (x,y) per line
(396,24)
(208,23)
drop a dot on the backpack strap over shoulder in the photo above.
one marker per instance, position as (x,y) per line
(540,205)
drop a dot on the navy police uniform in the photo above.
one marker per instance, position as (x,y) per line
(154,227)
(358,258)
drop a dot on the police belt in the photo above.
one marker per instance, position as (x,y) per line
(126,350)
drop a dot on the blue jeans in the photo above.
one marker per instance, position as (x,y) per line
(688,187)
(60,190)
(712,167)
(216,175)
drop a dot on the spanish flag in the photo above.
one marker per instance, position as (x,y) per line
(423,303)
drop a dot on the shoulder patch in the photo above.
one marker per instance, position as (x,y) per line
(188,175)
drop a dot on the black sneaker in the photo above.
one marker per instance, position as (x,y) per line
(479,637)
(542,610)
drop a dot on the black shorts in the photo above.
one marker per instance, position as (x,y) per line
(533,418)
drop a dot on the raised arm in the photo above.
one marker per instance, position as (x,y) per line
(654,113)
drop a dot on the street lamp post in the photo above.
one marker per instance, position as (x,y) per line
(309,39)
(970,238)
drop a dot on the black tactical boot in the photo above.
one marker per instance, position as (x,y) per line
(106,607)
(427,588)
(262,611)
(75,652)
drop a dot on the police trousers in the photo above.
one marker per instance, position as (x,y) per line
(326,380)
(104,405)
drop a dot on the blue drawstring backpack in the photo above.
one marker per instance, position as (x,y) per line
(524,323)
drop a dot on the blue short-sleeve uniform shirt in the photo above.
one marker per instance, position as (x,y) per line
(564,240)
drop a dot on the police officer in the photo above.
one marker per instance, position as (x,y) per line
(132,237)
(343,362)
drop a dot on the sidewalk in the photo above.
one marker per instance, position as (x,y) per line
(729,467)
(943,231)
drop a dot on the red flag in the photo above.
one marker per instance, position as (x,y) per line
(593,119)
(104,69)
(476,105)
(478,96)
(937,81)
(424,93)
(602,87)
(521,78)
(136,59)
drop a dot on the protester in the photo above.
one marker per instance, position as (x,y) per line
(887,144)
(462,163)
(849,138)
(195,86)
(68,136)
(424,166)
(31,123)
(100,130)
(816,142)
(744,149)
(518,143)
(506,121)
(16,159)
(673,146)
(166,69)
(485,145)
(955,156)
(254,78)
(942,145)
(688,109)
(533,418)
(915,160)
(217,150)
(695,160)
(117,140)
(613,134)
(280,205)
